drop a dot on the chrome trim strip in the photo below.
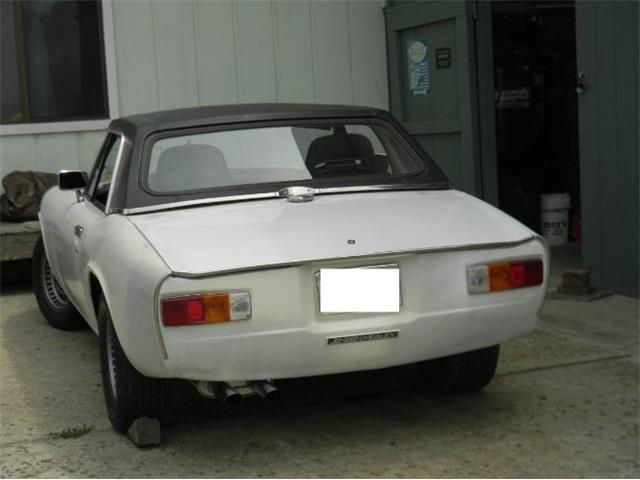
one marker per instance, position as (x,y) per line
(156,296)
(199,202)
(364,188)
(260,196)
(156,314)
(116,173)
(295,263)
(547,266)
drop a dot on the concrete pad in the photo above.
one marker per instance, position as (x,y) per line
(564,404)
(49,380)
(611,323)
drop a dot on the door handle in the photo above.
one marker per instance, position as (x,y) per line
(78,230)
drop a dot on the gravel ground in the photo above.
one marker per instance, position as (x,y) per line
(564,404)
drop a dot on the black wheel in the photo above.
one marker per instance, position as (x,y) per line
(127,393)
(51,297)
(465,372)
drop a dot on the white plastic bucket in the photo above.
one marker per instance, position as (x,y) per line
(555,217)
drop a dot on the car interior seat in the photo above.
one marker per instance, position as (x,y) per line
(190,167)
(343,153)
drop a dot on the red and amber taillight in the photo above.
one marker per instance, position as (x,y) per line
(207,308)
(496,277)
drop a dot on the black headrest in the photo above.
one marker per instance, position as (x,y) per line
(340,146)
(199,166)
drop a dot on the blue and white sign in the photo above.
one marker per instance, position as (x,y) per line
(419,81)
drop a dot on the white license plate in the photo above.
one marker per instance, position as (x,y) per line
(354,290)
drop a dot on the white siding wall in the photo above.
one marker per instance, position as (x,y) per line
(182,53)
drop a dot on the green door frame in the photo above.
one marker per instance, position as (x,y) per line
(473,24)
(486,100)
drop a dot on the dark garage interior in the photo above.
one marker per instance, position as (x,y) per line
(534,49)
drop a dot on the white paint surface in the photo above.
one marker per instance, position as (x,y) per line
(258,233)
(438,317)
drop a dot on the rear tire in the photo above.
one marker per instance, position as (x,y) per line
(128,394)
(52,299)
(465,372)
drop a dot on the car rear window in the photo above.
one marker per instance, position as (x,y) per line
(290,154)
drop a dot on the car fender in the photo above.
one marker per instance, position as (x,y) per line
(53,205)
(129,272)
(91,315)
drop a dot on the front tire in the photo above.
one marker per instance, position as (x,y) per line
(465,372)
(128,394)
(52,299)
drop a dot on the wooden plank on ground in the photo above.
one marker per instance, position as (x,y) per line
(18,239)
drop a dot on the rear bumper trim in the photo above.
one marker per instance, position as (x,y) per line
(295,263)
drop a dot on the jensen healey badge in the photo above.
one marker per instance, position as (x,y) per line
(364,337)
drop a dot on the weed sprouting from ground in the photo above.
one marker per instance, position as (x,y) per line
(73,432)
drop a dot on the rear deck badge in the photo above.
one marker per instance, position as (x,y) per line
(364,337)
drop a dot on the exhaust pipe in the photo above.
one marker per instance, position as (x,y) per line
(223,392)
(266,390)
(230,397)
(227,395)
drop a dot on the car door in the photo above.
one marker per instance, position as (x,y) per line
(83,216)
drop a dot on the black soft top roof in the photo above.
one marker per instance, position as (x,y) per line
(128,193)
(239,113)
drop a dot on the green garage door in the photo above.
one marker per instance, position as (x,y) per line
(431,83)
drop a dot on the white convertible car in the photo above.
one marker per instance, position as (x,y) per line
(233,246)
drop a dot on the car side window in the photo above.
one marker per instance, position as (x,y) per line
(100,184)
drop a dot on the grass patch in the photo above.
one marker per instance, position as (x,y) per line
(73,432)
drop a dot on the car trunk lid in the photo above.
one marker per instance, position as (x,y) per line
(275,232)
